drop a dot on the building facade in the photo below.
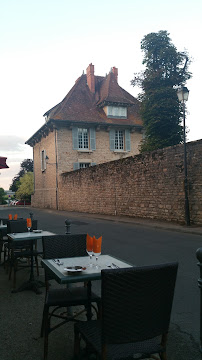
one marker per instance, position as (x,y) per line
(96,122)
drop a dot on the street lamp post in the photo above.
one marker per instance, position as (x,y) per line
(183,94)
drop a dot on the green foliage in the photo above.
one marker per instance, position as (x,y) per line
(166,69)
(26,187)
(2,196)
(25,166)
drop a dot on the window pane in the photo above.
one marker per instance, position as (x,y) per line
(117,111)
(83,138)
(119,142)
(84,165)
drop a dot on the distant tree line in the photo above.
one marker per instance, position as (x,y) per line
(23,182)
(2,196)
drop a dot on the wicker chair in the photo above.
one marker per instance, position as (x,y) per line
(136,308)
(3,236)
(15,252)
(56,247)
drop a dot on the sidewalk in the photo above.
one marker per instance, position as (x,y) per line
(192,229)
(21,313)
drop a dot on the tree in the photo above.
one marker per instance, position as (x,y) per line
(26,187)
(166,69)
(25,166)
(2,196)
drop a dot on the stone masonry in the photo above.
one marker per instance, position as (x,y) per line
(149,185)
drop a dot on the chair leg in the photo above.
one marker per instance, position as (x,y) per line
(43,320)
(14,272)
(76,343)
(10,266)
(163,356)
(46,329)
(37,265)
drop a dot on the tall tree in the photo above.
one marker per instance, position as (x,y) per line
(26,186)
(25,166)
(166,69)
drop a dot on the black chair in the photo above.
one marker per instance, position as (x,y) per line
(3,236)
(136,307)
(56,247)
(21,250)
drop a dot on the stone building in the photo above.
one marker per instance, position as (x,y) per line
(96,122)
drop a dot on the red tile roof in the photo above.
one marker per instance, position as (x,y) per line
(81,105)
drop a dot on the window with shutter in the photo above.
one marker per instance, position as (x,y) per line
(82,165)
(120,140)
(83,138)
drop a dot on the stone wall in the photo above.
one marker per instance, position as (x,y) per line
(150,185)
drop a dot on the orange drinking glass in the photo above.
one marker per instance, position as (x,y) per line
(89,248)
(29,224)
(97,248)
(10,217)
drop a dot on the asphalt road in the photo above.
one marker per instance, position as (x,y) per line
(140,244)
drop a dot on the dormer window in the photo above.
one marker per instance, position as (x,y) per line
(117,112)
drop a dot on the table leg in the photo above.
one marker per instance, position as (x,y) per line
(89,313)
(31,284)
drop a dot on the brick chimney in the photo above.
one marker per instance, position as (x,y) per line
(90,77)
(115,72)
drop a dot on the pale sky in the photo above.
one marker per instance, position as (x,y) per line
(46,45)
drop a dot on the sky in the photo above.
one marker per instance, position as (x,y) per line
(47,44)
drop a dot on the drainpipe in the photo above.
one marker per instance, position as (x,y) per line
(56,168)
(115,199)
(199,257)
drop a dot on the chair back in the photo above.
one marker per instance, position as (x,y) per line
(137,302)
(17,226)
(61,246)
(4,221)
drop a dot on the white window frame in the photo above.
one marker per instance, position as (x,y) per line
(77,165)
(119,140)
(117,111)
(83,139)
(84,165)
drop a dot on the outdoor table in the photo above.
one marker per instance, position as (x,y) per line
(32,283)
(87,275)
